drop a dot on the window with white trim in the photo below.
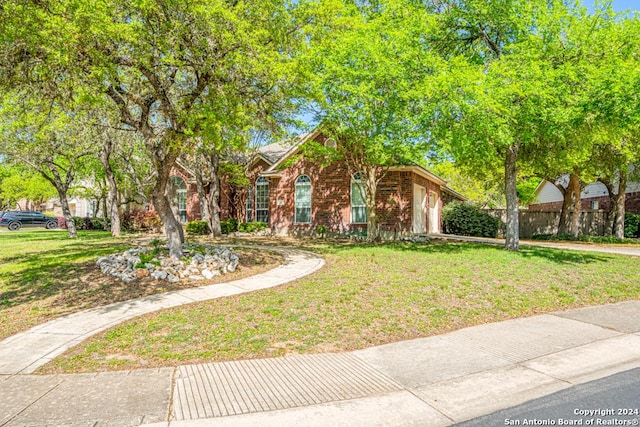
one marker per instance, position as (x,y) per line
(262,199)
(303,199)
(181,197)
(358,205)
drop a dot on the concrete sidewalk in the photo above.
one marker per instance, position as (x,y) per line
(433,381)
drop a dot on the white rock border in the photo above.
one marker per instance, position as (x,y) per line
(200,262)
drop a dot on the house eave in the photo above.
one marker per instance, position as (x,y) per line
(418,170)
(453,192)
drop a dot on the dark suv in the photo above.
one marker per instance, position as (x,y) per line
(15,220)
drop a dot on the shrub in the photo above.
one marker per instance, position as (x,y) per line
(631,223)
(141,221)
(468,220)
(197,228)
(252,227)
(229,226)
(78,222)
(101,224)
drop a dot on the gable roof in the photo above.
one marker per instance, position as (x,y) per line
(273,152)
(276,153)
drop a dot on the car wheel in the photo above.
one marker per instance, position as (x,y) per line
(14,226)
(51,225)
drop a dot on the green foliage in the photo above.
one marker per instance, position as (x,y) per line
(487,192)
(631,225)
(526,189)
(18,182)
(366,69)
(467,220)
(87,223)
(197,228)
(229,226)
(141,221)
(148,258)
(252,227)
(321,230)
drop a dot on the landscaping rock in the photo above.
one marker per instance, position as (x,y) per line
(205,263)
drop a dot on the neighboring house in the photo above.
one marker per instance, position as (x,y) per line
(294,195)
(594,197)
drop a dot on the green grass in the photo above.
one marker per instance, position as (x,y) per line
(42,274)
(586,238)
(365,295)
(45,274)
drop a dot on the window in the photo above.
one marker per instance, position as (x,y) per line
(595,205)
(262,199)
(250,204)
(181,197)
(303,199)
(358,205)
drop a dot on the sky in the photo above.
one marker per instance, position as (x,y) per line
(618,5)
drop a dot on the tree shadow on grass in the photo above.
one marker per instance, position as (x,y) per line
(562,256)
(37,235)
(559,256)
(37,276)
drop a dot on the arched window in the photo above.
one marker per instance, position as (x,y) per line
(358,205)
(303,199)
(180,189)
(262,199)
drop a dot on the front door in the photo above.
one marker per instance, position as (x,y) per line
(434,217)
(419,209)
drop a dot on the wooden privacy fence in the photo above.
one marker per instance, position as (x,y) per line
(546,222)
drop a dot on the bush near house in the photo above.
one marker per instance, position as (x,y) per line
(229,226)
(87,223)
(141,221)
(197,228)
(468,220)
(252,227)
(631,223)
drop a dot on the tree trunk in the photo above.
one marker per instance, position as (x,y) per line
(371,187)
(611,214)
(172,228)
(512,232)
(563,224)
(214,196)
(202,196)
(112,195)
(620,205)
(66,212)
(575,190)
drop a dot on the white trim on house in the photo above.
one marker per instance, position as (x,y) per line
(547,192)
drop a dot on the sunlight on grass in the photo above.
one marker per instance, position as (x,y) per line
(366,295)
(45,274)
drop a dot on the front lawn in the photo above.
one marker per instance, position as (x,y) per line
(44,275)
(365,296)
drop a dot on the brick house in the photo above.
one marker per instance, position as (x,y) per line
(594,197)
(294,195)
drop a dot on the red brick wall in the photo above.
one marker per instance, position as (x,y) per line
(331,198)
(193,206)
